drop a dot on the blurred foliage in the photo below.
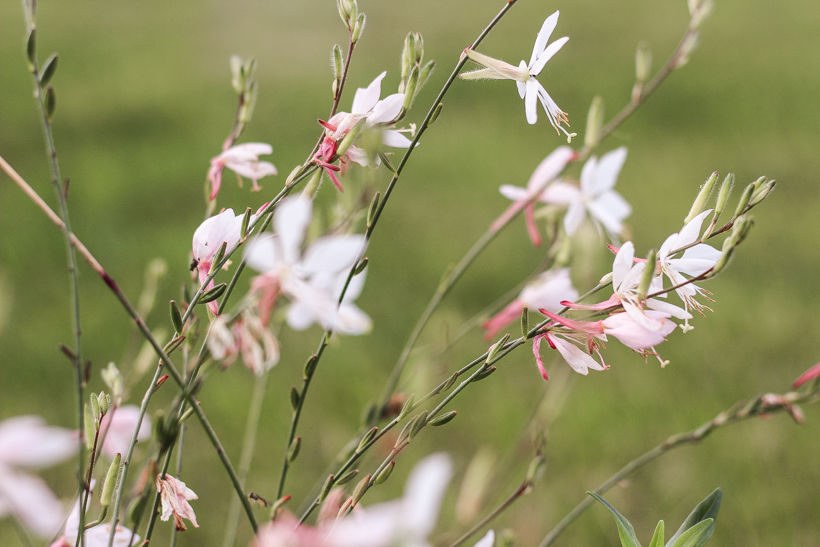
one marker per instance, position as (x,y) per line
(144,101)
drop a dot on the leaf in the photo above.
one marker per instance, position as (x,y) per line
(657,538)
(625,530)
(707,509)
(697,535)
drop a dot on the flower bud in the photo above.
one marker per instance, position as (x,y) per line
(374,206)
(358,28)
(217,258)
(367,438)
(762,192)
(723,195)
(595,120)
(606,279)
(442,419)
(647,274)
(176,317)
(113,379)
(418,424)
(248,104)
(237,74)
(361,266)
(89,427)
(104,403)
(95,410)
(361,488)
(450,381)
(172,346)
(408,406)
(329,482)
(50,103)
(525,321)
(111,480)
(408,58)
(491,353)
(293,451)
(643,63)
(294,398)
(49,68)
(347,477)
(690,42)
(385,473)
(703,196)
(310,366)
(485,372)
(313,185)
(536,468)
(338,62)
(31,48)
(745,198)
(350,137)
(213,294)
(410,90)
(424,74)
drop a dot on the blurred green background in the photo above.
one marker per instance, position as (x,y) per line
(144,101)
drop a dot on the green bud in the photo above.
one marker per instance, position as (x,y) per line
(174,344)
(404,435)
(344,11)
(293,451)
(237,74)
(606,279)
(435,114)
(294,398)
(408,57)
(113,379)
(424,74)
(419,48)
(310,366)
(111,480)
(647,274)
(358,28)
(450,381)
(329,482)
(213,294)
(104,402)
(410,90)
(176,317)
(350,137)
(418,424)
(745,198)
(49,68)
(643,63)
(361,266)
(313,184)
(31,49)
(50,103)
(703,196)
(761,193)
(347,477)
(374,206)
(723,194)
(361,488)
(246,220)
(248,104)
(484,373)
(89,427)
(218,256)
(408,406)
(385,473)
(741,228)
(525,321)
(278,504)
(338,62)
(442,419)
(366,439)
(292,175)
(535,468)
(595,120)
(95,410)
(491,353)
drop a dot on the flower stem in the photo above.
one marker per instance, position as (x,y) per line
(517,493)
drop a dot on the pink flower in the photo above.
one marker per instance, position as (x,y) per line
(174,496)
(209,237)
(26,442)
(546,291)
(243,160)
(544,174)
(576,358)
(117,428)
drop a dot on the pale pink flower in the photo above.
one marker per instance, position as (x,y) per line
(242,159)
(26,442)
(174,496)
(286,531)
(98,535)
(246,336)
(406,522)
(309,279)
(595,197)
(524,198)
(579,360)
(226,228)
(546,291)
(118,426)
(524,75)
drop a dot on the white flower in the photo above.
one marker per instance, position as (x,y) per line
(524,75)
(595,197)
(405,522)
(243,160)
(209,237)
(26,442)
(350,320)
(309,279)
(117,427)
(174,496)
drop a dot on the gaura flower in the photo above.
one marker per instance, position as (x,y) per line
(595,196)
(117,427)
(242,159)
(246,336)
(544,174)
(579,360)
(27,442)
(546,291)
(524,75)
(209,237)
(174,496)
(309,279)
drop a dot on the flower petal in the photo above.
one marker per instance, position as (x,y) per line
(543,37)
(387,109)
(551,50)
(366,98)
(530,101)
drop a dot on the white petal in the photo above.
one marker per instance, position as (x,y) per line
(253,170)
(264,254)
(605,174)
(622,264)
(332,253)
(574,216)
(366,98)
(247,151)
(423,492)
(300,316)
(387,109)
(119,426)
(290,221)
(488,540)
(515,193)
(551,50)
(691,232)
(31,501)
(550,167)
(356,154)
(610,209)
(530,101)
(522,87)
(548,290)
(352,320)
(395,139)
(575,357)
(543,37)
(668,308)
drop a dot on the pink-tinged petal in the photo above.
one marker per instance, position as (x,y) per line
(811,374)
(550,167)
(387,109)
(610,302)
(118,427)
(247,151)
(561,193)
(26,441)
(578,359)
(366,98)
(31,501)
(332,253)
(356,154)
(610,209)
(174,496)
(253,170)
(532,228)
(629,333)
(551,50)
(543,37)
(669,244)
(574,216)
(290,221)
(622,264)
(536,350)
(394,139)
(549,290)
(215,177)
(643,319)
(515,193)
(588,327)
(530,101)
(500,70)
(210,235)
(487,541)
(503,318)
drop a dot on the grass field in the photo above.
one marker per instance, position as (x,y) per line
(144,101)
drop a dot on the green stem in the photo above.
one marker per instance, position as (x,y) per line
(520,491)
(152,519)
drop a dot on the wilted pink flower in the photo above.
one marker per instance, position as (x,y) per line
(544,174)
(546,291)
(209,237)
(174,496)
(243,160)
(524,75)
(246,336)
(117,427)
(27,442)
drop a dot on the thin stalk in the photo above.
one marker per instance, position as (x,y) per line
(178,472)
(741,411)
(519,492)
(152,519)
(251,429)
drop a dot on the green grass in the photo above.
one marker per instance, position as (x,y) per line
(144,102)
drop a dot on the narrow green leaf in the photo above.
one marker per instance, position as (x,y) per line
(625,530)
(707,509)
(657,538)
(49,68)
(697,535)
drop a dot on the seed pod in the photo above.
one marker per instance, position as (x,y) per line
(385,473)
